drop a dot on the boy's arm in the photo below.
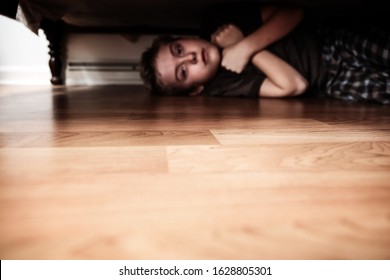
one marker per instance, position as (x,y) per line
(282,79)
(277,23)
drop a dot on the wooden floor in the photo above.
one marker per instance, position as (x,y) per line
(112,173)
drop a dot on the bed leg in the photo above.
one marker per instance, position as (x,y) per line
(55,34)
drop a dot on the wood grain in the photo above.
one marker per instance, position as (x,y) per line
(113,173)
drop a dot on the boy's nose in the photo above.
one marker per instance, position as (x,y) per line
(191,58)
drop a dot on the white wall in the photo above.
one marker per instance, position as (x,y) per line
(23,55)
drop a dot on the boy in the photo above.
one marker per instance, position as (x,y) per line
(293,62)
(189,77)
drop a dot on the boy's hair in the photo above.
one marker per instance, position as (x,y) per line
(149,73)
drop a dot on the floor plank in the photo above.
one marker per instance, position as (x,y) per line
(112,173)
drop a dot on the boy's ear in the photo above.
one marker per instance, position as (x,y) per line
(197,90)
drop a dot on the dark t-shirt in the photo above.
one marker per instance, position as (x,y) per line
(299,48)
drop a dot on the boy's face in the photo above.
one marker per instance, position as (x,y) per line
(187,62)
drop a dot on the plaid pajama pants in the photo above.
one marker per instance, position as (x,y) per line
(358,64)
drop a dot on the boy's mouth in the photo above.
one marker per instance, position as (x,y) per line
(204,56)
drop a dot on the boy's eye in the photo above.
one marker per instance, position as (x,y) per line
(178,49)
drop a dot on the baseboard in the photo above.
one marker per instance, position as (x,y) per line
(24,75)
(102,73)
(76,74)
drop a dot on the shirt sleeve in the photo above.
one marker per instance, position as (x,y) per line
(226,83)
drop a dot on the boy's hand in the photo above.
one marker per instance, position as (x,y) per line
(235,57)
(227,35)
